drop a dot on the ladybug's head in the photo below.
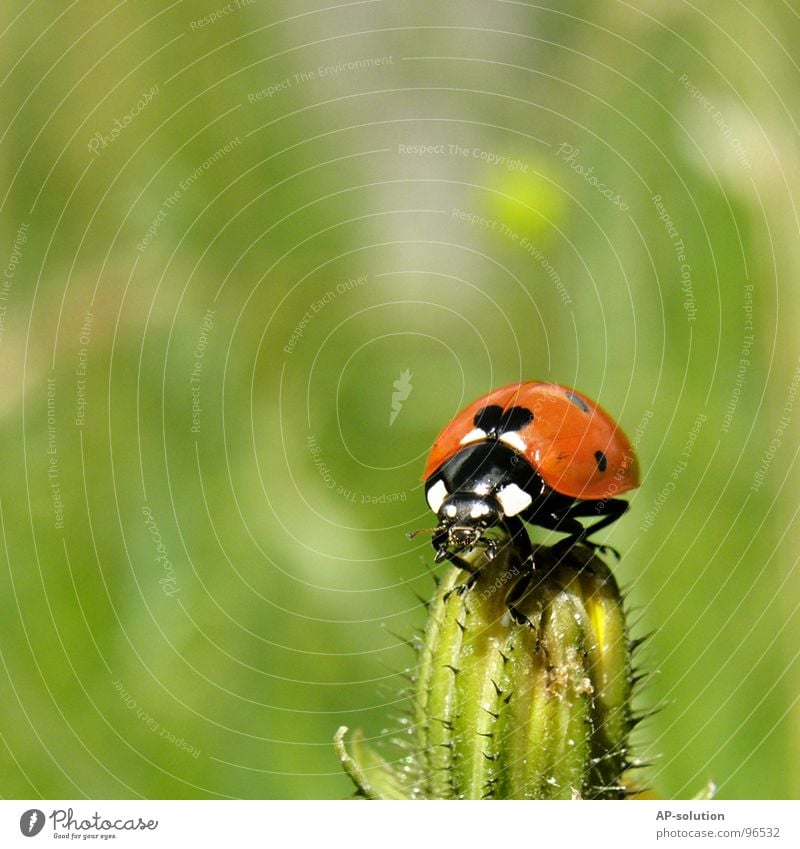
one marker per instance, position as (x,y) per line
(463,519)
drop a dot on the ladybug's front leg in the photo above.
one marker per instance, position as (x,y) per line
(518,534)
(515,596)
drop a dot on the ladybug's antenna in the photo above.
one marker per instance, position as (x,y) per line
(431,531)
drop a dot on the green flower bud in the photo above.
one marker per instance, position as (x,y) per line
(522,689)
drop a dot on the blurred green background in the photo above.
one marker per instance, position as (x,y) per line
(227,231)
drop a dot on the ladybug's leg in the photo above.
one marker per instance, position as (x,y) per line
(444,554)
(522,542)
(517,593)
(519,539)
(567,522)
(611,510)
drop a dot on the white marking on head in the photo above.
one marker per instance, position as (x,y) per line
(475,435)
(513,499)
(479,509)
(436,495)
(512,438)
(451,511)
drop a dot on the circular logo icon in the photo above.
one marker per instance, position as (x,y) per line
(31,822)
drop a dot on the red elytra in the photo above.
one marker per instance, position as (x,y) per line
(572,442)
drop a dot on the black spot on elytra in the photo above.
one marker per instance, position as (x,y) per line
(488,417)
(494,421)
(578,402)
(602,461)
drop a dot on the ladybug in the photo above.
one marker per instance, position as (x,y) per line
(530,452)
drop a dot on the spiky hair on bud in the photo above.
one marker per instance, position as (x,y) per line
(522,688)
